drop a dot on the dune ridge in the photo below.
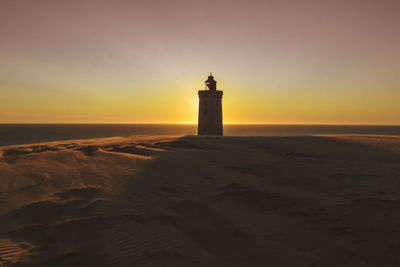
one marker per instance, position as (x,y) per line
(201,201)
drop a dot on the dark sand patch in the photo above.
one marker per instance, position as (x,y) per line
(202,201)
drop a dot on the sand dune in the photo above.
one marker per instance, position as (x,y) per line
(201,201)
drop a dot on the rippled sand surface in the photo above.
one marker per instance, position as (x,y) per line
(202,201)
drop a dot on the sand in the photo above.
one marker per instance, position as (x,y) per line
(202,201)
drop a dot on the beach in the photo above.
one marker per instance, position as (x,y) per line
(323,200)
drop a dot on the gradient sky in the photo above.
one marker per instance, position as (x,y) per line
(278,61)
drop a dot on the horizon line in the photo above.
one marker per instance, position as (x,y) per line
(195,123)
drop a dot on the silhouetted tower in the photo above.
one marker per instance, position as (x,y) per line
(210,109)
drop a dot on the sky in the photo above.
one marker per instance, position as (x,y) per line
(142,61)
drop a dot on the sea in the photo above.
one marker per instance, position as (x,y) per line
(15,134)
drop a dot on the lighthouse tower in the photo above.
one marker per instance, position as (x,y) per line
(210,109)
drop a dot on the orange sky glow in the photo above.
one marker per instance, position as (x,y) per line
(277,61)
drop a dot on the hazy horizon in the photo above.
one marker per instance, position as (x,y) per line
(190,123)
(305,62)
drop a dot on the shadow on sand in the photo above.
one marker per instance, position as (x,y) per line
(213,201)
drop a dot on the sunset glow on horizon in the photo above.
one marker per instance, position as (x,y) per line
(277,61)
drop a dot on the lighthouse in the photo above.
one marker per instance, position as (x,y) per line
(210,109)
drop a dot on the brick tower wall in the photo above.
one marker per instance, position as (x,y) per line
(210,112)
